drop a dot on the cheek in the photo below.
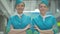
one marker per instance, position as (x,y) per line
(22,7)
(17,7)
(41,9)
(46,9)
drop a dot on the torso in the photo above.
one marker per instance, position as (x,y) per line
(44,24)
(18,23)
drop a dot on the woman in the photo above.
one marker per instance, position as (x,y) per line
(44,24)
(19,23)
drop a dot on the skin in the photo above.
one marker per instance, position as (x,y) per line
(18,31)
(43,9)
(20,7)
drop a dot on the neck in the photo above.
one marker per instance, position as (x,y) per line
(19,12)
(43,14)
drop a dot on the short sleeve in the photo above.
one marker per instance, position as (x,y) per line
(8,25)
(32,25)
(55,27)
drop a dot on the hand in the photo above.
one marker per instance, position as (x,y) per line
(27,27)
(36,27)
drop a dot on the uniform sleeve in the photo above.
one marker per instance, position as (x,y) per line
(30,20)
(55,27)
(34,31)
(8,25)
(32,25)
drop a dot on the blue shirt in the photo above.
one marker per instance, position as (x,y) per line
(18,23)
(44,23)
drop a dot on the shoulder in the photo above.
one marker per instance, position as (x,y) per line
(26,16)
(12,17)
(51,16)
(36,18)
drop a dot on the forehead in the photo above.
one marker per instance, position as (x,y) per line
(42,4)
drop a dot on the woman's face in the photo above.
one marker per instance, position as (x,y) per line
(20,7)
(43,8)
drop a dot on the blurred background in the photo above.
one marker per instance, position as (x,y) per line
(7,9)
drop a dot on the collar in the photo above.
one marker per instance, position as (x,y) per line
(19,15)
(45,16)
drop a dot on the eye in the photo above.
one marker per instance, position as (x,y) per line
(18,5)
(41,6)
(22,5)
(45,6)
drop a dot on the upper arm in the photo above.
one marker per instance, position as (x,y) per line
(8,27)
(29,23)
(55,27)
(54,23)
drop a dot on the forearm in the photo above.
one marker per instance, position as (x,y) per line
(19,30)
(27,27)
(15,31)
(46,31)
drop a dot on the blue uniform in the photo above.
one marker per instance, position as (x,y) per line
(18,23)
(44,24)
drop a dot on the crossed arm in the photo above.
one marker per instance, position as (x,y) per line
(17,31)
(47,31)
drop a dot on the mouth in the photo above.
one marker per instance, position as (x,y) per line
(42,10)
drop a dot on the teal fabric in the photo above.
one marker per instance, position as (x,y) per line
(18,23)
(18,1)
(56,27)
(44,25)
(46,2)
